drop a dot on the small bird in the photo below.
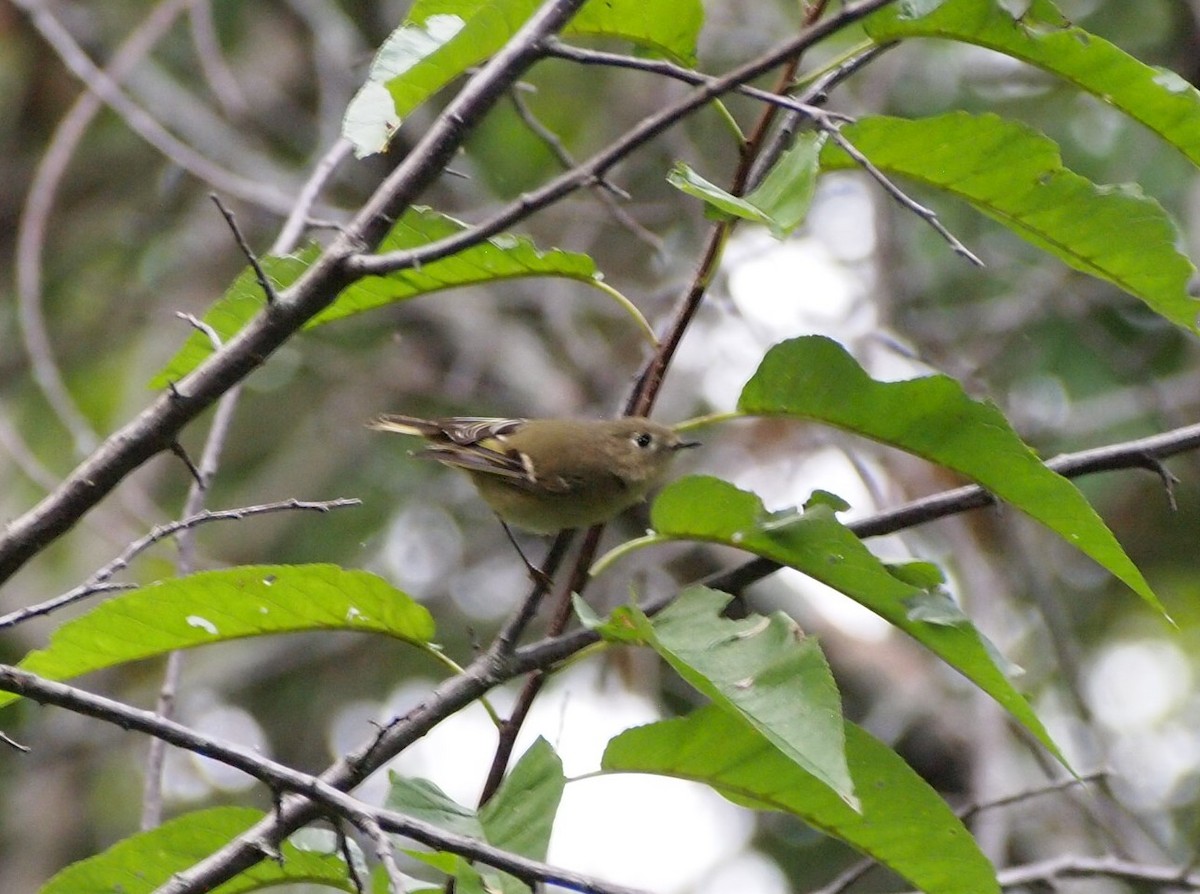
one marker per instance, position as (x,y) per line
(546,475)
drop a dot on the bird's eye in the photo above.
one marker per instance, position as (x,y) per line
(643,439)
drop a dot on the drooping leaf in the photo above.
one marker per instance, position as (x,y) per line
(780,202)
(720,202)
(1015,175)
(218,606)
(141,863)
(816,543)
(520,817)
(902,823)
(786,193)
(763,669)
(932,417)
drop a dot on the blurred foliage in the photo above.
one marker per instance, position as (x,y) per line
(132,240)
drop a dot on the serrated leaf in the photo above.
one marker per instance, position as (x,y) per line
(816,543)
(506,256)
(1159,99)
(501,257)
(1015,175)
(932,417)
(763,669)
(141,863)
(902,822)
(441,39)
(218,606)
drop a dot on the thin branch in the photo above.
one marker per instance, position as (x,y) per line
(13,743)
(260,275)
(1048,871)
(35,215)
(180,451)
(825,120)
(293,227)
(97,582)
(502,646)
(314,789)
(217,72)
(816,93)
(584,56)
(214,444)
(35,218)
(384,853)
(605,190)
(200,326)
(966,812)
(926,214)
(860,868)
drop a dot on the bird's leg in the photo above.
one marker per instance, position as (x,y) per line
(537,575)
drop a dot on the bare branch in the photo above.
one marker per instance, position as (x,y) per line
(260,275)
(1048,871)
(605,190)
(825,120)
(96,583)
(926,214)
(35,217)
(216,70)
(293,227)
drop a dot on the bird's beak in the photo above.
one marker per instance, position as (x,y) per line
(686,445)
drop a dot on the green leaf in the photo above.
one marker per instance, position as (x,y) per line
(1015,175)
(902,823)
(725,204)
(502,257)
(780,202)
(218,606)
(1158,98)
(520,817)
(816,543)
(763,669)
(441,39)
(932,417)
(424,800)
(786,193)
(498,258)
(141,863)
(667,28)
